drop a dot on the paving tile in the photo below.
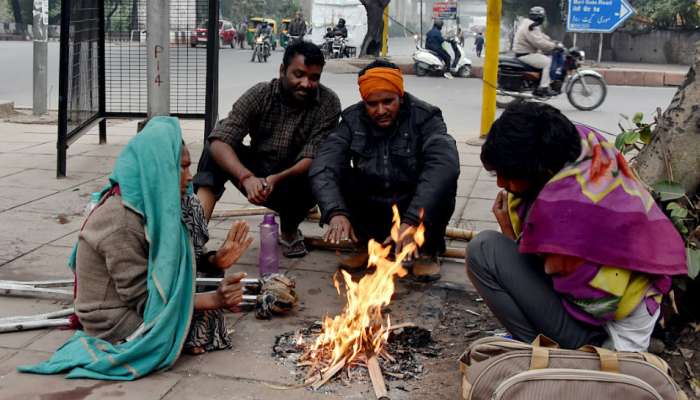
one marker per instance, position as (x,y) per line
(105,150)
(460,203)
(36,228)
(91,164)
(454,276)
(26,137)
(44,263)
(9,171)
(49,148)
(16,160)
(479,226)
(464,187)
(485,190)
(13,197)
(13,247)
(9,147)
(50,342)
(469,159)
(485,175)
(209,387)
(478,209)
(468,173)
(70,202)
(14,385)
(46,179)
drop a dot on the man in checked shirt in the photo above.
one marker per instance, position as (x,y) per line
(286,119)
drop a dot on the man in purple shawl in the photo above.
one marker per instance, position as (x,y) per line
(585,255)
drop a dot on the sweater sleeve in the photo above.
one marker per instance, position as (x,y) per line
(438,177)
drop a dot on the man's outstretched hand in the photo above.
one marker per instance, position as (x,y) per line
(339,229)
(236,243)
(255,189)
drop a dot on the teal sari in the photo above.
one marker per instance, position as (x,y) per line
(148,174)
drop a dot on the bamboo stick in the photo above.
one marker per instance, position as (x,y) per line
(27,325)
(49,315)
(375,374)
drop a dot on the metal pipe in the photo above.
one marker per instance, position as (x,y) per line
(158,57)
(27,325)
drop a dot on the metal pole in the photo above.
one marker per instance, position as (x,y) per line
(385,33)
(40,13)
(101,81)
(158,58)
(421,23)
(600,48)
(63,78)
(493,31)
(211,100)
(575,39)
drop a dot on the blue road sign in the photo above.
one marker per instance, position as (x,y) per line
(597,15)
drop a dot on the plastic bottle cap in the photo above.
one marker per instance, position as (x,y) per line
(269,219)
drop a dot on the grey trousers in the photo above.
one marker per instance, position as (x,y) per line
(521,295)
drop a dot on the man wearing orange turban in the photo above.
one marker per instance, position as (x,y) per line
(390,148)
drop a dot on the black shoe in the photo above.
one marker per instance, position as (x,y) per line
(544,92)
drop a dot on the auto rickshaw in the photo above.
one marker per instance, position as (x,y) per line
(253,27)
(284,32)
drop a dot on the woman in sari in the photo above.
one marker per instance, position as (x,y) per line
(585,255)
(135,268)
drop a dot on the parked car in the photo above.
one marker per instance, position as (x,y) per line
(227,34)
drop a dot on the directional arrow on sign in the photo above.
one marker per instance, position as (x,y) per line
(597,15)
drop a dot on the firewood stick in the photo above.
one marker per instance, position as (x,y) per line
(330,373)
(375,374)
(317,242)
(450,232)
(27,325)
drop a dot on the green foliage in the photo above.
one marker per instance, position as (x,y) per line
(635,134)
(669,191)
(237,10)
(669,13)
(693,262)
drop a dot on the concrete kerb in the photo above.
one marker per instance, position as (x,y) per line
(613,76)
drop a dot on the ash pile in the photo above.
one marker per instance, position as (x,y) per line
(406,349)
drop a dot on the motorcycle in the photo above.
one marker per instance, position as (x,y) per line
(337,47)
(586,89)
(427,62)
(261,49)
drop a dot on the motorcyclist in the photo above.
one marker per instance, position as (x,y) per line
(531,43)
(433,42)
(264,30)
(298,26)
(340,29)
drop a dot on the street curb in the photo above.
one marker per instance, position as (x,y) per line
(613,76)
(7,108)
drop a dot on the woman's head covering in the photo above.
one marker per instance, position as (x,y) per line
(148,174)
(381,79)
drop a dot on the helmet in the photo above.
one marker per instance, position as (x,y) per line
(537,14)
(438,24)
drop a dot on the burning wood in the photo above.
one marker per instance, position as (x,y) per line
(360,332)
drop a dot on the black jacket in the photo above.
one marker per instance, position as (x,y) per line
(416,163)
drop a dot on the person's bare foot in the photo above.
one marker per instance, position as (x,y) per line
(195,351)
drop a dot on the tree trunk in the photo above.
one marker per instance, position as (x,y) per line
(372,43)
(674,152)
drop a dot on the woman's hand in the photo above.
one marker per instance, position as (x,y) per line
(500,211)
(236,243)
(340,229)
(230,291)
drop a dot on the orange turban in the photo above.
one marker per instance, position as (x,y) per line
(381,79)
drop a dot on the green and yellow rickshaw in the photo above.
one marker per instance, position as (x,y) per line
(284,32)
(253,24)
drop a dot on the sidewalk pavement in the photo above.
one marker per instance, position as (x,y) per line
(621,74)
(39,221)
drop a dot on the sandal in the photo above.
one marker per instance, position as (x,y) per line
(294,249)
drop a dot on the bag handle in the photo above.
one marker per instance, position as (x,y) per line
(544,341)
(540,351)
(609,362)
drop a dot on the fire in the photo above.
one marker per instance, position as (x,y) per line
(360,330)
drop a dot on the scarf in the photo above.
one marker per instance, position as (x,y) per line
(597,210)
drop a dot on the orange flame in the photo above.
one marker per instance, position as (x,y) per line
(360,327)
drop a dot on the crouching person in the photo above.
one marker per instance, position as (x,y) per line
(135,266)
(391,148)
(585,255)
